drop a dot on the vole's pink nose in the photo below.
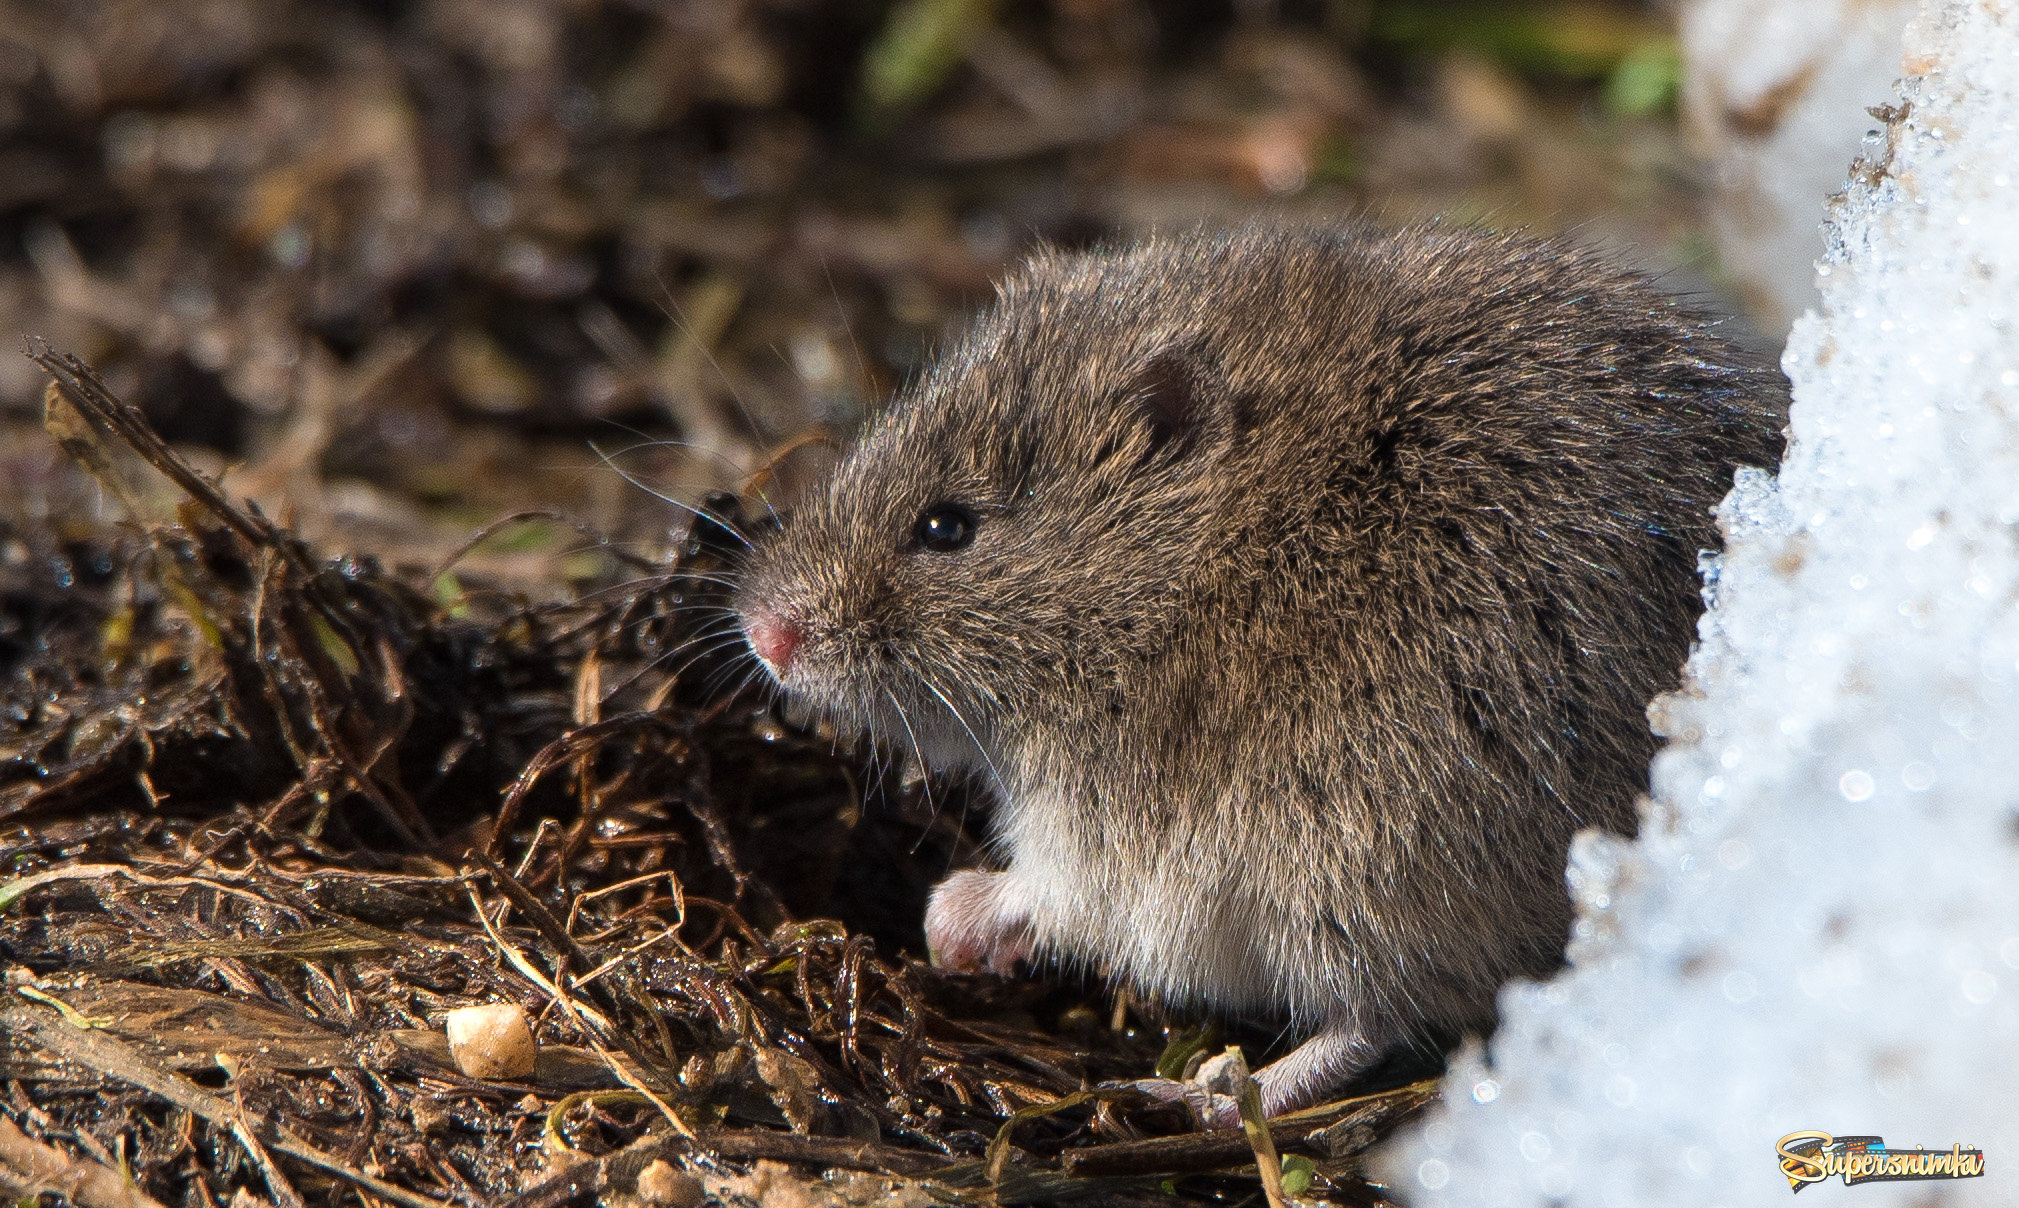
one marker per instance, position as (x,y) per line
(773,638)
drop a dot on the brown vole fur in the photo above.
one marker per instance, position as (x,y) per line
(1298,594)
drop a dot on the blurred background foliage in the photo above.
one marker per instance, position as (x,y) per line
(401,267)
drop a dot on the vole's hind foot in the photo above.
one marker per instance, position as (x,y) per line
(1300,1079)
(1322,1064)
(1209,1108)
(975,921)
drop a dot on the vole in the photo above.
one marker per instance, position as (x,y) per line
(1297,594)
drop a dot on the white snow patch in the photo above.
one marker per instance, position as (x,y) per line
(1819,925)
(1774,96)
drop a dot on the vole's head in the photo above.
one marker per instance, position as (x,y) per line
(1001,547)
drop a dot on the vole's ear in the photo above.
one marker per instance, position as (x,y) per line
(1181,396)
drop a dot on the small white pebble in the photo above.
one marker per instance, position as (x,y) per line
(492,1041)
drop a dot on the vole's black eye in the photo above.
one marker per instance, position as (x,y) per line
(945,527)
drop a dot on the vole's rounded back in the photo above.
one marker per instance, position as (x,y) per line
(1299,593)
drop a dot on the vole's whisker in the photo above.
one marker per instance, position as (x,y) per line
(1001,785)
(638,588)
(737,473)
(723,522)
(841,312)
(679,318)
(753,675)
(647,441)
(918,752)
(716,643)
(720,578)
(732,628)
(720,677)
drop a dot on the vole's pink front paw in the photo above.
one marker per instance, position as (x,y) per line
(973,922)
